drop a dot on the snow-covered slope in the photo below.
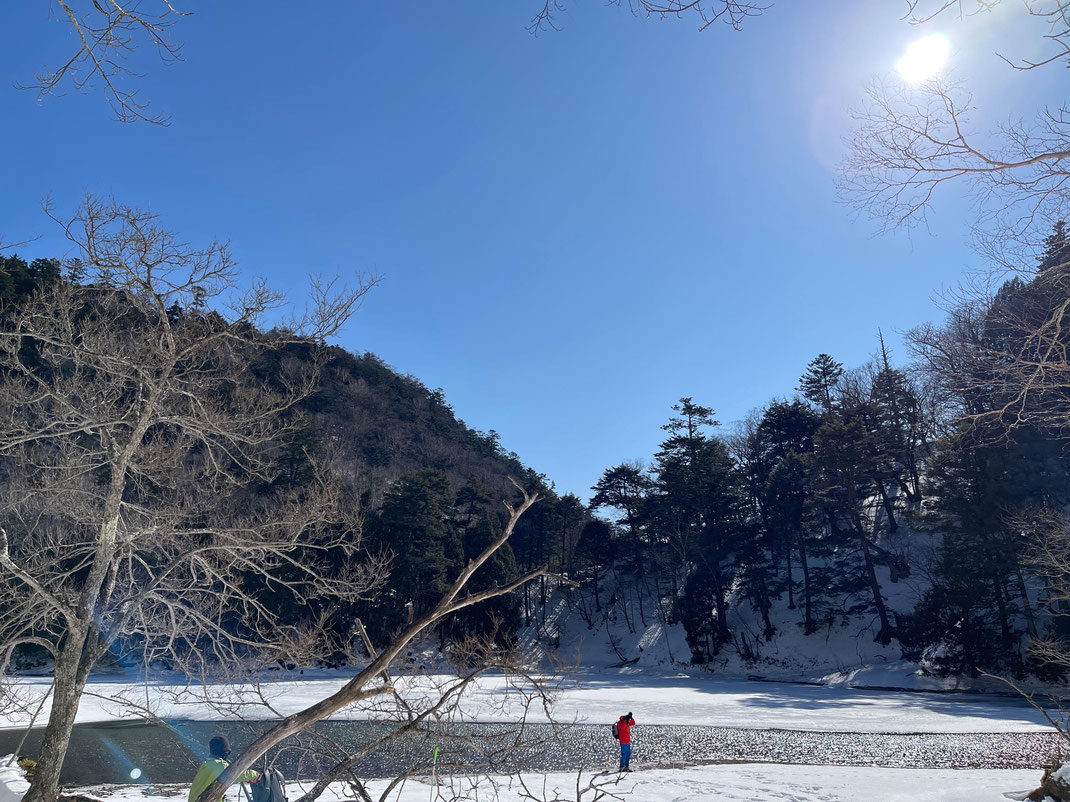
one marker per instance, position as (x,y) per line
(631,631)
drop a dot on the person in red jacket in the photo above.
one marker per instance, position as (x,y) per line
(624,733)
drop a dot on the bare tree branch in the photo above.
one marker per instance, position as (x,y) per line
(107,33)
(730,12)
(352,689)
(138,501)
(909,142)
(1055,14)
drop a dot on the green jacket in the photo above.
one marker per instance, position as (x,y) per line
(211,769)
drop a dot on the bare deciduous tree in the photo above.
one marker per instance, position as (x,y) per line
(731,12)
(107,33)
(138,505)
(373,680)
(1048,556)
(1001,361)
(6,245)
(427,713)
(909,141)
(1055,14)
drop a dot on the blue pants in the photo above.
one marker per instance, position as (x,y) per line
(625,755)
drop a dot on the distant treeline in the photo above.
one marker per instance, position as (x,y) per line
(943,472)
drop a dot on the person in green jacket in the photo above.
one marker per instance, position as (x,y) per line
(219,747)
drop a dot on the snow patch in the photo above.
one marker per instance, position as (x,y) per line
(12,781)
(723,783)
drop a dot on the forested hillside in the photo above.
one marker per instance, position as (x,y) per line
(423,490)
(918,507)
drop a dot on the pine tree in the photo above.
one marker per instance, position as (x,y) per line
(789,512)
(818,383)
(1056,255)
(900,428)
(980,600)
(597,549)
(786,430)
(842,448)
(698,491)
(624,490)
(416,527)
(498,619)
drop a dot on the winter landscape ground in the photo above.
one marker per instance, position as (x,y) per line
(838,682)
(676,698)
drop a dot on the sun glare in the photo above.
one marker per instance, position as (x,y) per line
(924,58)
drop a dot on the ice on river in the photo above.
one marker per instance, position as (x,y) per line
(601,698)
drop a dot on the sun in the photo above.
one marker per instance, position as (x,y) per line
(924,58)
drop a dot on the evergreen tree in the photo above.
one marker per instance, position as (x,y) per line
(785,427)
(416,528)
(19,279)
(698,490)
(789,512)
(1056,255)
(979,609)
(596,549)
(624,490)
(785,431)
(572,515)
(899,427)
(818,383)
(498,619)
(842,449)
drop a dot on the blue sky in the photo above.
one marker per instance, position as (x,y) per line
(573,230)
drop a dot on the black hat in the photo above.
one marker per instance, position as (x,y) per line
(219,746)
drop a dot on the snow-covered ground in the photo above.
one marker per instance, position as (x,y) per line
(718,783)
(841,651)
(600,697)
(12,781)
(751,783)
(603,697)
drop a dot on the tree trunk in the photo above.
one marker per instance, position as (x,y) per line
(1004,618)
(791,581)
(597,600)
(1027,608)
(884,635)
(765,605)
(69,678)
(721,605)
(889,508)
(912,488)
(624,607)
(808,614)
(639,596)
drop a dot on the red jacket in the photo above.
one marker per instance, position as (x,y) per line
(624,729)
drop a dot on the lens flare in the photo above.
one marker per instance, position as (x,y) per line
(924,58)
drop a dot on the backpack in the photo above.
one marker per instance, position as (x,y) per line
(616,730)
(270,787)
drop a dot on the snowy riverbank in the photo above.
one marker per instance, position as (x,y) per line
(716,783)
(599,698)
(669,699)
